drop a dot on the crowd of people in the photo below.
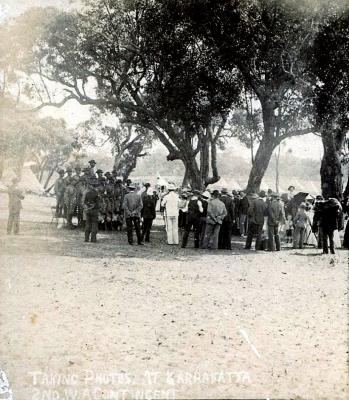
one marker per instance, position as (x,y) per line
(103,201)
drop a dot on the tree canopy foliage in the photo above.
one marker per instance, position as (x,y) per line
(192,71)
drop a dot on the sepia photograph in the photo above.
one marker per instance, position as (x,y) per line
(174,199)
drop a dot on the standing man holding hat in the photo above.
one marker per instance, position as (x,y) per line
(170,202)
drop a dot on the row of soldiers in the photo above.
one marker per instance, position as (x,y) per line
(72,186)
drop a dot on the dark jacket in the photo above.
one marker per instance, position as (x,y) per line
(230,206)
(244,206)
(204,206)
(276,213)
(149,204)
(92,200)
(257,211)
(193,209)
(330,214)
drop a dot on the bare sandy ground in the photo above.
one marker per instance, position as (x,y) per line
(110,321)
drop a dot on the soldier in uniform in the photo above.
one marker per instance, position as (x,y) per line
(59,192)
(69,176)
(14,205)
(70,200)
(101,179)
(77,171)
(91,206)
(80,188)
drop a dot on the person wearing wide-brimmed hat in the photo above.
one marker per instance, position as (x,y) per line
(276,216)
(216,212)
(69,177)
(224,239)
(256,214)
(170,203)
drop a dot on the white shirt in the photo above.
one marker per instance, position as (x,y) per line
(170,201)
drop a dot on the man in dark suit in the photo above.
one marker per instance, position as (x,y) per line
(256,213)
(224,240)
(132,206)
(148,213)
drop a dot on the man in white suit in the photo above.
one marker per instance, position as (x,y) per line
(170,202)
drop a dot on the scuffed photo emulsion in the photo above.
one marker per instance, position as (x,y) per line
(174,199)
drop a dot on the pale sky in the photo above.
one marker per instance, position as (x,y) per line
(309,146)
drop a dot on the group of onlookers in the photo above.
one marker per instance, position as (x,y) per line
(105,201)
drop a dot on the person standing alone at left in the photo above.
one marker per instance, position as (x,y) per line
(14,206)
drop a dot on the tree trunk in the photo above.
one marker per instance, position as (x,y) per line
(331,168)
(193,171)
(185,179)
(214,168)
(204,160)
(260,165)
(117,161)
(277,169)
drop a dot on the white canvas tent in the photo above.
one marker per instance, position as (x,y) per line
(28,182)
